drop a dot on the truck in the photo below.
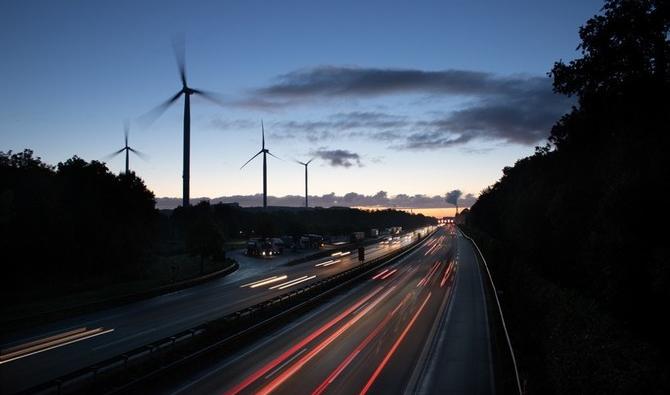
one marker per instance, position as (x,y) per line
(265,247)
(394,230)
(357,236)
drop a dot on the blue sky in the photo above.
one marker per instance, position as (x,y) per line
(73,71)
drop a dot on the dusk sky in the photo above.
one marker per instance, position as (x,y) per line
(412,97)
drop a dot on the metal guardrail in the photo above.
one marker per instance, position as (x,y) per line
(235,325)
(499,308)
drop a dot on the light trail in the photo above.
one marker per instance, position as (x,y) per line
(389,274)
(358,349)
(260,281)
(328,262)
(297,282)
(433,269)
(50,343)
(302,361)
(380,274)
(395,346)
(274,363)
(447,274)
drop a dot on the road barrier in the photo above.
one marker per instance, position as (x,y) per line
(494,297)
(122,372)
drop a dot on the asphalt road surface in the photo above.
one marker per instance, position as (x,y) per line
(88,339)
(416,326)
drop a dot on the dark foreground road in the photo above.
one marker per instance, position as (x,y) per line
(114,331)
(418,326)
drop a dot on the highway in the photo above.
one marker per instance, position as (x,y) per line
(49,351)
(416,326)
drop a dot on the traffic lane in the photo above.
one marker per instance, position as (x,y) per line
(380,355)
(328,363)
(203,290)
(270,359)
(463,363)
(173,301)
(260,352)
(142,324)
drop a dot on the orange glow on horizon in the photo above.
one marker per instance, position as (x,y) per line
(438,212)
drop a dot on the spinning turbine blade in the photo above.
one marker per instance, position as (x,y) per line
(140,154)
(126,130)
(179,49)
(211,96)
(152,115)
(113,154)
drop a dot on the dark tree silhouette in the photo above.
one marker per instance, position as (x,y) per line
(71,225)
(576,230)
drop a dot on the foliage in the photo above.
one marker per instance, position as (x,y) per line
(574,228)
(69,223)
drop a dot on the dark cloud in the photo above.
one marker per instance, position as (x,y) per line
(453,196)
(510,109)
(231,124)
(338,157)
(351,199)
(355,81)
(339,125)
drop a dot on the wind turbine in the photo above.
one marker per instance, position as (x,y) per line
(306,164)
(126,148)
(186,91)
(265,152)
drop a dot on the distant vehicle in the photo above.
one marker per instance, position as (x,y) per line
(374,232)
(357,236)
(311,241)
(394,230)
(265,247)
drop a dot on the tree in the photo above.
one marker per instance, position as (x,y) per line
(564,227)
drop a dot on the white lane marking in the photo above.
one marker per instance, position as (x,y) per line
(280,367)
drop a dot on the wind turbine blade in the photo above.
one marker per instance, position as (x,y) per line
(271,154)
(140,154)
(148,118)
(179,50)
(126,130)
(263,134)
(211,96)
(252,158)
(300,163)
(309,161)
(113,154)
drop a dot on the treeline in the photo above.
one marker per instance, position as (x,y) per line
(576,233)
(77,226)
(75,223)
(231,221)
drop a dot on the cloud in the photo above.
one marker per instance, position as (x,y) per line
(357,81)
(351,199)
(231,124)
(453,196)
(338,157)
(517,109)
